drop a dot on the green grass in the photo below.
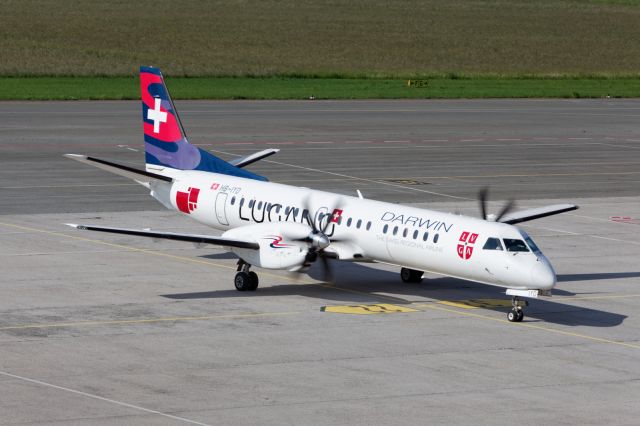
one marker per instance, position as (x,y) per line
(466,48)
(275,37)
(64,88)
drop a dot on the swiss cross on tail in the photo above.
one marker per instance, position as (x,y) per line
(156,115)
(187,201)
(465,244)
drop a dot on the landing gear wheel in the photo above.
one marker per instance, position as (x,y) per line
(515,315)
(410,275)
(254,281)
(243,281)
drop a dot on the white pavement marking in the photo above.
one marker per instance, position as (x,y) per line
(359,142)
(411,188)
(397,141)
(435,140)
(100,398)
(509,139)
(328,142)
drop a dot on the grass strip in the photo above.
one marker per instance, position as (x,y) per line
(120,88)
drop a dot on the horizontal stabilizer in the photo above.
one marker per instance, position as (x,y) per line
(119,169)
(537,213)
(193,238)
(250,159)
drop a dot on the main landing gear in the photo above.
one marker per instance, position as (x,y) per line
(516,314)
(410,275)
(245,279)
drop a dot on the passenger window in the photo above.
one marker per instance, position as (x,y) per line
(514,245)
(425,237)
(493,244)
(359,223)
(385,229)
(251,203)
(339,220)
(260,205)
(406,231)
(278,209)
(435,238)
(415,234)
(395,230)
(368,225)
(233,200)
(349,222)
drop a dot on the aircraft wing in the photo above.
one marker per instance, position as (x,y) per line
(252,158)
(537,213)
(194,238)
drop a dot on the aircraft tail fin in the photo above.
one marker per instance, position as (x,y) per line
(165,140)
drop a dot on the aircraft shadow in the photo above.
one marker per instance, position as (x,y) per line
(220,256)
(360,284)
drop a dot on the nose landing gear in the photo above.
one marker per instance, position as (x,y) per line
(516,314)
(245,280)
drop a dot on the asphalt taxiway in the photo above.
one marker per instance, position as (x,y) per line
(103,329)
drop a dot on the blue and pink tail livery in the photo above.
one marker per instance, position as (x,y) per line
(164,139)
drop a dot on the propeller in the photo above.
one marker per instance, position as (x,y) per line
(317,239)
(483,197)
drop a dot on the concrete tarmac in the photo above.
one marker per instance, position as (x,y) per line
(104,329)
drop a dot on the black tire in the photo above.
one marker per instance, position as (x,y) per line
(242,281)
(520,316)
(410,275)
(254,281)
(512,316)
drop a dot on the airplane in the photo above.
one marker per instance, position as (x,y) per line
(275,226)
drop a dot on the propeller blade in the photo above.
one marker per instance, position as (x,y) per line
(482,198)
(328,273)
(506,209)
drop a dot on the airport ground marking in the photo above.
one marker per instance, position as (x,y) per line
(380,308)
(101,398)
(135,249)
(428,306)
(378,182)
(476,303)
(145,320)
(533,326)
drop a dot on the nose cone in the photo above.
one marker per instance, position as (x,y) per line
(543,277)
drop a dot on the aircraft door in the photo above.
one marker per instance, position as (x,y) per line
(221,203)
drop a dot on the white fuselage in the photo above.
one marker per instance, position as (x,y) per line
(367,230)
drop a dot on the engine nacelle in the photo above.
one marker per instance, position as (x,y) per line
(278,246)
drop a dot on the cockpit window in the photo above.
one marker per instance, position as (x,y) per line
(493,244)
(515,245)
(532,245)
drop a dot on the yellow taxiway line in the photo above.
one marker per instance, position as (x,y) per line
(432,306)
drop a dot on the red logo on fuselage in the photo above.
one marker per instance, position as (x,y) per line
(335,216)
(465,244)
(187,201)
